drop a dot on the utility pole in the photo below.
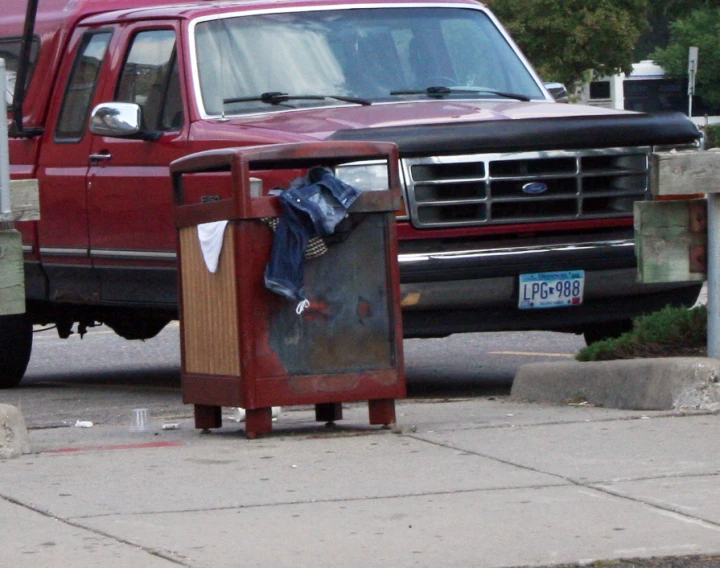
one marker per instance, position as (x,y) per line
(4,151)
(692,74)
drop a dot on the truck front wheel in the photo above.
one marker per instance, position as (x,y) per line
(15,346)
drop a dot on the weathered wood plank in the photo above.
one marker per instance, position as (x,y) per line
(671,240)
(210,324)
(685,173)
(12,276)
(24,201)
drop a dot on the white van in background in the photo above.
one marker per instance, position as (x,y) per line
(647,89)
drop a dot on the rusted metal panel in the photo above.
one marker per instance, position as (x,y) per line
(347,327)
(218,390)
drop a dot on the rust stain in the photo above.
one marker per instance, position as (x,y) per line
(364,309)
(316,311)
(698,259)
(410,299)
(324,383)
(698,216)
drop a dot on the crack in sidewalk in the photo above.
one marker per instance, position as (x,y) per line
(597,485)
(165,555)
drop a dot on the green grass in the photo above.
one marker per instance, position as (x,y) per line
(671,332)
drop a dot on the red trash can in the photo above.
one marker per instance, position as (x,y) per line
(245,346)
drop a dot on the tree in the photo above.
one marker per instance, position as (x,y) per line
(564,40)
(661,13)
(700,28)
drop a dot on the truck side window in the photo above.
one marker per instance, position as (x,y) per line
(81,86)
(150,79)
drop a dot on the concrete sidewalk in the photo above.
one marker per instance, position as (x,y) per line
(466,483)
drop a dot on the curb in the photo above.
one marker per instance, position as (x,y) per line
(14,439)
(672,383)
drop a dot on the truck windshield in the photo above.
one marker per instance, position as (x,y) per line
(373,54)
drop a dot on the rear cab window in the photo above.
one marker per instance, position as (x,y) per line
(150,79)
(81,86)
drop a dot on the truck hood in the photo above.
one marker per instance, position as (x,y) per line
(322,122)
(448,126)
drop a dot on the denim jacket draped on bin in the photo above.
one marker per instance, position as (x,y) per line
(311,206)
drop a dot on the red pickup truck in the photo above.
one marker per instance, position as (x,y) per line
(518,210)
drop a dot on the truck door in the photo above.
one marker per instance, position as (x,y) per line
(132,236)
(62,170)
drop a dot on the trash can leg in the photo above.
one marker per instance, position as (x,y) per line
(382,411)
(258,421)
(207,417)
(328,411)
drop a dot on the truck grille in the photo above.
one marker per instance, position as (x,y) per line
(490,189)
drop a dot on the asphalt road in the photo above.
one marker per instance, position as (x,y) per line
(102,377)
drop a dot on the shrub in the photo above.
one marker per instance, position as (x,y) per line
(671,332)
(712,136)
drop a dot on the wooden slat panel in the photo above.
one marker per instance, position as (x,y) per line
(683,173)
(669,238)
(210,325)
(24,201)
(12,278)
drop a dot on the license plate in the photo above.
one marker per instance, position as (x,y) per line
(551,289)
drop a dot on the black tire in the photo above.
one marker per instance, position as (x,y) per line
(15,347)
(606,330)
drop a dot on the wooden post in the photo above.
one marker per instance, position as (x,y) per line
(12,277)
(684,173)
(19,201)
(24,201)
(671,240)
(24,206)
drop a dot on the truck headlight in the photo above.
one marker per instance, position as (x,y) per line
(366,176)
(369,176)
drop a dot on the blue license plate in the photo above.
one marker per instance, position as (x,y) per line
(551,289)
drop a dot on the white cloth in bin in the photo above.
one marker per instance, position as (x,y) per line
(211,241)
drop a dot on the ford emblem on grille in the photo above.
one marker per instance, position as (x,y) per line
(535,187)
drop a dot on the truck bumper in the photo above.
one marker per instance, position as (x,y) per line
(466,290)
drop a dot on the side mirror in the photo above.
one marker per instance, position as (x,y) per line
(120,120)
(558,92)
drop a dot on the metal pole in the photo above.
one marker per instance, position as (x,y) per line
(4,151)
(713,317)
(692,75)
(691,90)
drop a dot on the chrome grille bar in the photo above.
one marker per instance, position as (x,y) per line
(488,189)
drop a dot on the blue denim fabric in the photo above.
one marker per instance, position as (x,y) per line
(312,206)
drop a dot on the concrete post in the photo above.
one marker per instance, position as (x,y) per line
(4,151)
(713,322)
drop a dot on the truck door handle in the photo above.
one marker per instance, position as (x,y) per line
(95,158)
